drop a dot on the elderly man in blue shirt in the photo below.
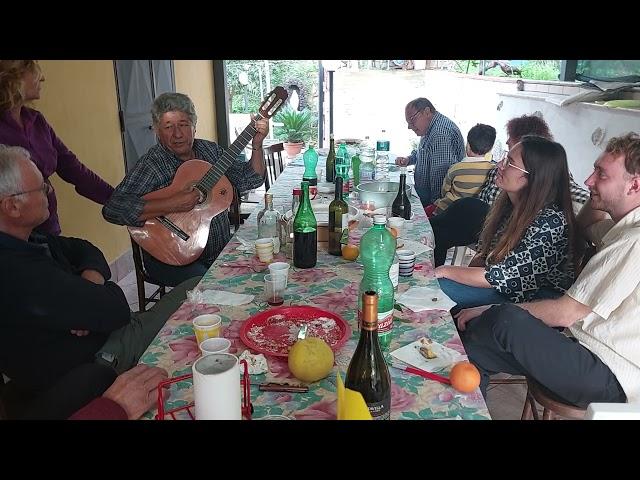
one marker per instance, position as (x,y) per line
(440,147)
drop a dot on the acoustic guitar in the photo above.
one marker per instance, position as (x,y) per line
(180,238)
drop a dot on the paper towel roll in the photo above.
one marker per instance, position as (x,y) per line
(216,387)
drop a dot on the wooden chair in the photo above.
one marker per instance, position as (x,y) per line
(552,408)
(273,161)
(141,277)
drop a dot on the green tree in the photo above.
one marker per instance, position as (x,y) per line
(302,72)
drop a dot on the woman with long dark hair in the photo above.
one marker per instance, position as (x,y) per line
(528,243)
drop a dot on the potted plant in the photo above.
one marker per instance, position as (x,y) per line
(296,128)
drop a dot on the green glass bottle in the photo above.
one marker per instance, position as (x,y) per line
(338,220)
(310,159)
(401,206)
(355,168)
(331,161)
(343,164)
(305,233)
(368,372)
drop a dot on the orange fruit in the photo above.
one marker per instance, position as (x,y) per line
(350,252)
(464,377)
(393,232)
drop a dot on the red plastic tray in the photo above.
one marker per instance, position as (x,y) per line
(274,336)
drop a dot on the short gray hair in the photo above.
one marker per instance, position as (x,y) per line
(419,104)
(10,174)
(173,102)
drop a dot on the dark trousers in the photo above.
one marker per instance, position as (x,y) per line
(72,392)
(171,275)
(508,339)
(125,346)
(460,224)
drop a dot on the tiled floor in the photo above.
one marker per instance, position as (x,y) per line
(130,289)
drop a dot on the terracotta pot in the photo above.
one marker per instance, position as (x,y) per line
(293,149)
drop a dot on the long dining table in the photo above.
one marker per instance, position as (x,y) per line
(332,285)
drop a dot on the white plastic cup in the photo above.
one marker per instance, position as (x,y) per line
(207,326)
(215,345)
(406,261)
(397,223)
(274,288)
(280,269)
(264,249)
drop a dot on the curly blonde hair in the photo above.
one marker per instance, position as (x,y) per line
(11,84)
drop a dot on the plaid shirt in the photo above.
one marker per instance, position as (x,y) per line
(440,147)
(156,169)
(490,190)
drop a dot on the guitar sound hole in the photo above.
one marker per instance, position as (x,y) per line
(203,196)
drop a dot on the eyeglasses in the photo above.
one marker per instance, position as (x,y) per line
(45,188)
(506,161)
(413,117)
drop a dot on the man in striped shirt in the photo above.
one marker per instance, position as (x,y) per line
(465,179)
(440,147)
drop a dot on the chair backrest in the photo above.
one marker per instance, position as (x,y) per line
(141,277)
(273,161)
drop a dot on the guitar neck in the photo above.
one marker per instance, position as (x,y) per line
(228,156)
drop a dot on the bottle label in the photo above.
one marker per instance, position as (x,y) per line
(379,410)
(385,322)
(383,145)
(344,239)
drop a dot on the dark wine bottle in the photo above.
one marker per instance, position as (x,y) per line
(305,233)
(330,166)
(338,219)
(401,206)
(367,372)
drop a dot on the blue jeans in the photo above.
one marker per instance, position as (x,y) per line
(467,297)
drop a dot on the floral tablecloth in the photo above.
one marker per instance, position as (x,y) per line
(332,285)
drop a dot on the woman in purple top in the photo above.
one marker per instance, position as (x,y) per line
(20,82)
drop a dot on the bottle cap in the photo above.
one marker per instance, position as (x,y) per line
(379,219)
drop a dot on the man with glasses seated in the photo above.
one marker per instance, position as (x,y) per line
(441,145)
(461,223)
(59,309)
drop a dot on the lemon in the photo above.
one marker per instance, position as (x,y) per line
(310,359)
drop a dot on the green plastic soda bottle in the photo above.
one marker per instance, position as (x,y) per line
(377,249)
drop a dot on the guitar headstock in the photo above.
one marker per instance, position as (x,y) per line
(273,102)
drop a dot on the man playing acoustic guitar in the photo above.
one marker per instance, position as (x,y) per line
(174,121)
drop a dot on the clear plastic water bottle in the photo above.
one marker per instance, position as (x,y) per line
(377,249)
(367,159)
(382,156)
